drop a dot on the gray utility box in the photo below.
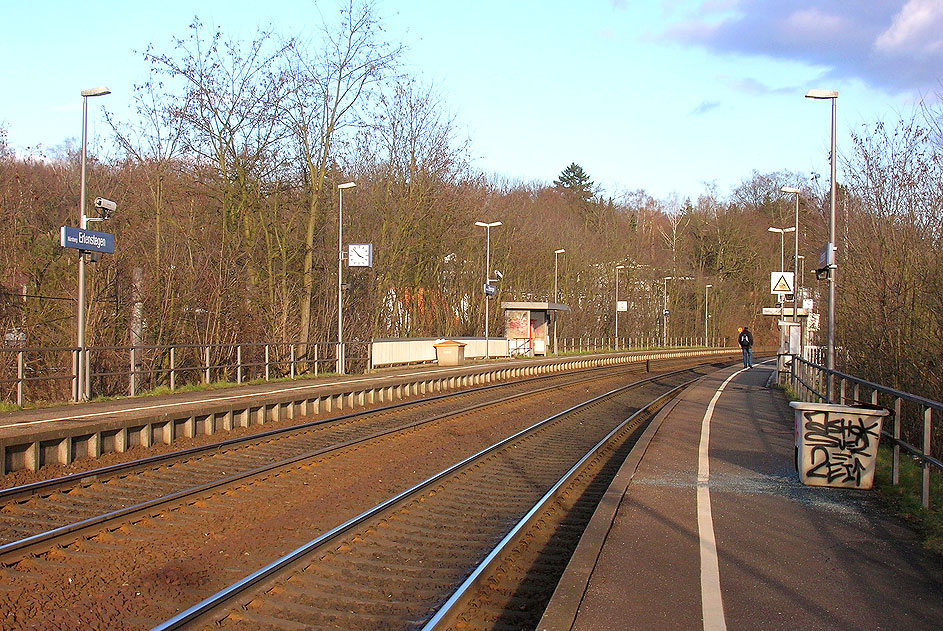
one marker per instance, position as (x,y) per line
(837,445)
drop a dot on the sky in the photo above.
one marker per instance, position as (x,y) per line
(669,96)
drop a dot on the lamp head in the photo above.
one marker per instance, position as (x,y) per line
(102,91)
(821,94)
(789,189)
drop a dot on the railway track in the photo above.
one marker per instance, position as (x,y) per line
(394,565)
(204,490)
(35,514)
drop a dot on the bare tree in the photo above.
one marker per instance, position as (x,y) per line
(329,80)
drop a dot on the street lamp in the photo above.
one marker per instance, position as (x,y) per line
(830,246)
(706,312)
(487,226)
(801,260)
(795,261)
(782,233)
(664,313)
(618,267)
(556,254)
(341,364)
(81,377)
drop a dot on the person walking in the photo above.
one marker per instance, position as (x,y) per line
(746,344)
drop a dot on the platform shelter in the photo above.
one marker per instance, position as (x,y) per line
(528,326)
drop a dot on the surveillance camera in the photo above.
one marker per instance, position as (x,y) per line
(498,274)
(106,205)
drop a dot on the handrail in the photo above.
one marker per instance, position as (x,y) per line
(806,379)
(49,373)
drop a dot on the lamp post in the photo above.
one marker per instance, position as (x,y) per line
(487,226)
(782,256)
(830,246)
(706,312)
(556,254)
(81,376)
(664,313)
(795,260)
(801,261)
(618,267)
(341,364)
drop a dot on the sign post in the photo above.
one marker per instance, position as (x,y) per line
(92,243)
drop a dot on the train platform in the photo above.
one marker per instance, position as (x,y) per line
(708,527)
(58,435)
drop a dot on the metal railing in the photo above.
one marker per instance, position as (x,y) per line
(49,374)
(912,414)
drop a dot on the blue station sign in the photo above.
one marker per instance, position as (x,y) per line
(88,240)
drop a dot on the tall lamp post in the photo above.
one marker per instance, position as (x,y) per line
(830,246)
(487,226)
(782,256)
(664,313)
(706,312)
(341,364)
(81,377)
(618,267)
(801,261)
(556,254)
(795,260)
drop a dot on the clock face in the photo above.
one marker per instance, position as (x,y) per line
(360,254)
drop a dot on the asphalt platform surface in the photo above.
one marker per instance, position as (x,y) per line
(764,552)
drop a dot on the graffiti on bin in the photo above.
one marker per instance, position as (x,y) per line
(839,446)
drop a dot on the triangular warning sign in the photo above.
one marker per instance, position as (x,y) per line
(782,285)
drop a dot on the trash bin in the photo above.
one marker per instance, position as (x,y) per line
(449,352)
(837,445)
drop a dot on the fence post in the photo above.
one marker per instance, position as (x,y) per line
(75,375)
(133,379)
(173,373)
(20,370)
(206,366)
(292,369)
(895,474)
(88,373)
(266,362)
(315,359)
(239,363)
(925,492)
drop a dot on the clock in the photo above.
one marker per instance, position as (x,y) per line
(360,255)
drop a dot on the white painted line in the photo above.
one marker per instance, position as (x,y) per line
(712,603)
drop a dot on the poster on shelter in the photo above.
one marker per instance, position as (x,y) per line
(517,324)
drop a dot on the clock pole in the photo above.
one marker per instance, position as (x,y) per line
(340,369)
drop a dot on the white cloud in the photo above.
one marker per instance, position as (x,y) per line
(916,30)
(896,45)
(815,23)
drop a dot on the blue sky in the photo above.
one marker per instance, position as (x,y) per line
(661,96)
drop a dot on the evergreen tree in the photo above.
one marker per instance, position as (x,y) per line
(575,182)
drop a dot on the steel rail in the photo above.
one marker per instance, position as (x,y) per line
(34,488)
(225,595)
(27,543)
(448,612)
